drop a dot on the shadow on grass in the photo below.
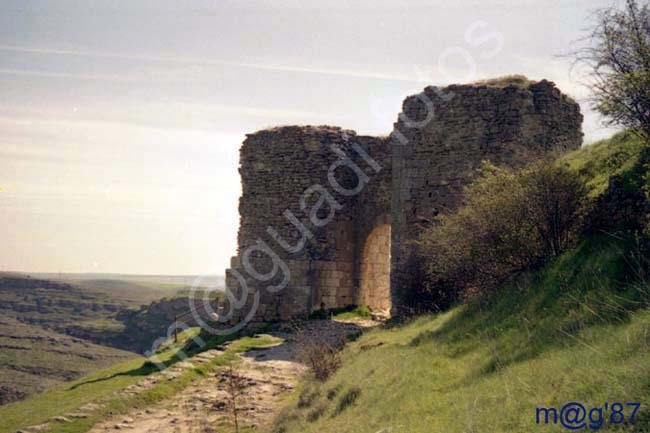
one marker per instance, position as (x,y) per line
(189,349)
(144,370)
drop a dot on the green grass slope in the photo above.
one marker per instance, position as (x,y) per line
(615,156)
(576,330)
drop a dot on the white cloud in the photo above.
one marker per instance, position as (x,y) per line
(76,76)
(168,115)
(210,62)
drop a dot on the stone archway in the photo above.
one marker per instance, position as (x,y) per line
(374,278)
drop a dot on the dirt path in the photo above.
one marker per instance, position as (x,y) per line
(268,375)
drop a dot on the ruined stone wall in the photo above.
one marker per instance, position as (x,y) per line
(299,207)
(329,248)
(276,167)
(444,134)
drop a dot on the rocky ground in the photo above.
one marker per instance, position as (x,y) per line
(267,375)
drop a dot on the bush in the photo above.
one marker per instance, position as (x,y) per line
(283,421)
(348,399)
(509,221)
(332,392)
(321,314)
(322,358)
(308,396)
(318,411)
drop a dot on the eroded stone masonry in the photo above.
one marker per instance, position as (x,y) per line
(328,216)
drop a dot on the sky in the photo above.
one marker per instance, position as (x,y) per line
(121,121)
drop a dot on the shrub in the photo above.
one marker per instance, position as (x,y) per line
(554,203)
(332,392)
(363,312)
(318,411)
(352,312)
(348,399)
(308,396)
(283,421)
(509,221)
(322,357)
(321,314)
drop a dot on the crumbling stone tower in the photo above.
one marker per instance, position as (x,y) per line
(328,218)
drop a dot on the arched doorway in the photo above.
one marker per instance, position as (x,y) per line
(374,283)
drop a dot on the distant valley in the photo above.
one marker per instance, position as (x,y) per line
(33,359)
(58,327)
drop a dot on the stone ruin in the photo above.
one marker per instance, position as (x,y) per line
(328,217)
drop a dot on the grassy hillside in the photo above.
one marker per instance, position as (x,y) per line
(33,359)
(615,156)
(576,330)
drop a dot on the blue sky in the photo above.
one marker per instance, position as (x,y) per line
(121,121)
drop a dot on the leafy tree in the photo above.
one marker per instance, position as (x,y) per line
(617,57)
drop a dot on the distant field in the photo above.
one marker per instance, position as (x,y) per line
(47,328)
(133,293)
(54,305)
(161,282)
(137,290)
(126,315)
(33,359)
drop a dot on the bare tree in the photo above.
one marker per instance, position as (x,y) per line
(617,57)
(234,387)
